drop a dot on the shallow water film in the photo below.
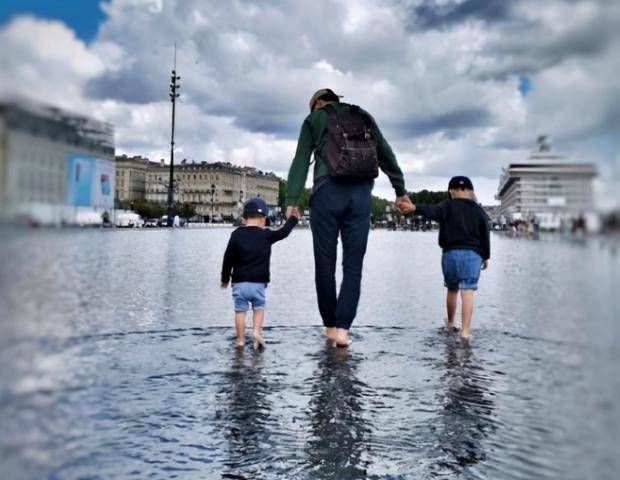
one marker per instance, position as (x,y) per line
(117,360)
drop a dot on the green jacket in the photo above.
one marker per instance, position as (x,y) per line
(312,138)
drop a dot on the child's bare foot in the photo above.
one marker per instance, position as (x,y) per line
(259,342)
(341,338)
(449,325)
(464,335)
(240,344)
(330,332)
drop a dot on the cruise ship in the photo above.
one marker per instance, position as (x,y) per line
(547,186)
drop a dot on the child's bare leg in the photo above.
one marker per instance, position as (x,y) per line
(467,309)
(240,327)
(257,327)
(451,301)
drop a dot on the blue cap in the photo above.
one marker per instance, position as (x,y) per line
(255,205)
(459,183)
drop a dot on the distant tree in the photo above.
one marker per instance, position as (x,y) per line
(282,195)
(378,206)
(428,197)
(186,210)
(122,204)
(149,209)
(304,197)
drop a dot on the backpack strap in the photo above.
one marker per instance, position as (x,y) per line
(329,109)
(356,110)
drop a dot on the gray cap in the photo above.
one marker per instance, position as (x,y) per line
(320,93)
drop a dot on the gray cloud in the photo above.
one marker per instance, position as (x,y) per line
(441,78)
(527,44)
(453,124)
(432,14)
(128,85)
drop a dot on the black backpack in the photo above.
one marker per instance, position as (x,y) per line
(351,150)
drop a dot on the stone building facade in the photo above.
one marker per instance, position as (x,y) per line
(130,178)
(56,167)
(213,188)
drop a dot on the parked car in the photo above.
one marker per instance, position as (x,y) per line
(151,223)
(128,220)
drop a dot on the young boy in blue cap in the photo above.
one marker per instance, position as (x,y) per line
(464,238)
(247,257)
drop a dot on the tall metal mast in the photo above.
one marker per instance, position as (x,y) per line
(174,86)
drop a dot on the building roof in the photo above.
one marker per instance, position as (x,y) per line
(59,125)
(135,160)
(215,166)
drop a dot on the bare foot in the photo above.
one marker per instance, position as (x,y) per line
(240,344)
(259,342)
(330,332)
(342,338)
(465,335)
(448,325)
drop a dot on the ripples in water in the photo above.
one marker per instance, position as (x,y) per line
(145,382)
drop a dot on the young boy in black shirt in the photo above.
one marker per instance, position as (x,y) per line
(248,255)
(464,238)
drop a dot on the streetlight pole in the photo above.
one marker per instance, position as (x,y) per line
(174,86)
(212,193)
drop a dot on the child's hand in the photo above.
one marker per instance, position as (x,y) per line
(407,209)
(292,211)
(404,205)
(485,265)
(224,285)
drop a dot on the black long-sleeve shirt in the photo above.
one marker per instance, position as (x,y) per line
(249,252)
(462,224)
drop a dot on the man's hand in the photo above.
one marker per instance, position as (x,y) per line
(292,211)
(224,285)
(485,264)
(403,205)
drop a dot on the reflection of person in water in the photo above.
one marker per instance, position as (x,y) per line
(467,408)
(245,414)
(340,434)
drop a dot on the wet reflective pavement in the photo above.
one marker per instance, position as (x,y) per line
(118,361)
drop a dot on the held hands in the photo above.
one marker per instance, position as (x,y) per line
(404,205)
(224,285)
(292,211)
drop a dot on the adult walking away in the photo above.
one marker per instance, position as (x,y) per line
(348,150)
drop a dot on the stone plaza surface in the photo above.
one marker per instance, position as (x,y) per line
(118,361)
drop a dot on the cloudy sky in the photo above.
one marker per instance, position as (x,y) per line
(457,86)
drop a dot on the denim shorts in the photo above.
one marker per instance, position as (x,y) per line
(461,269)
(245,293)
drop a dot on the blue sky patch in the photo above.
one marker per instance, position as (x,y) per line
(525,85)
(82,16)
